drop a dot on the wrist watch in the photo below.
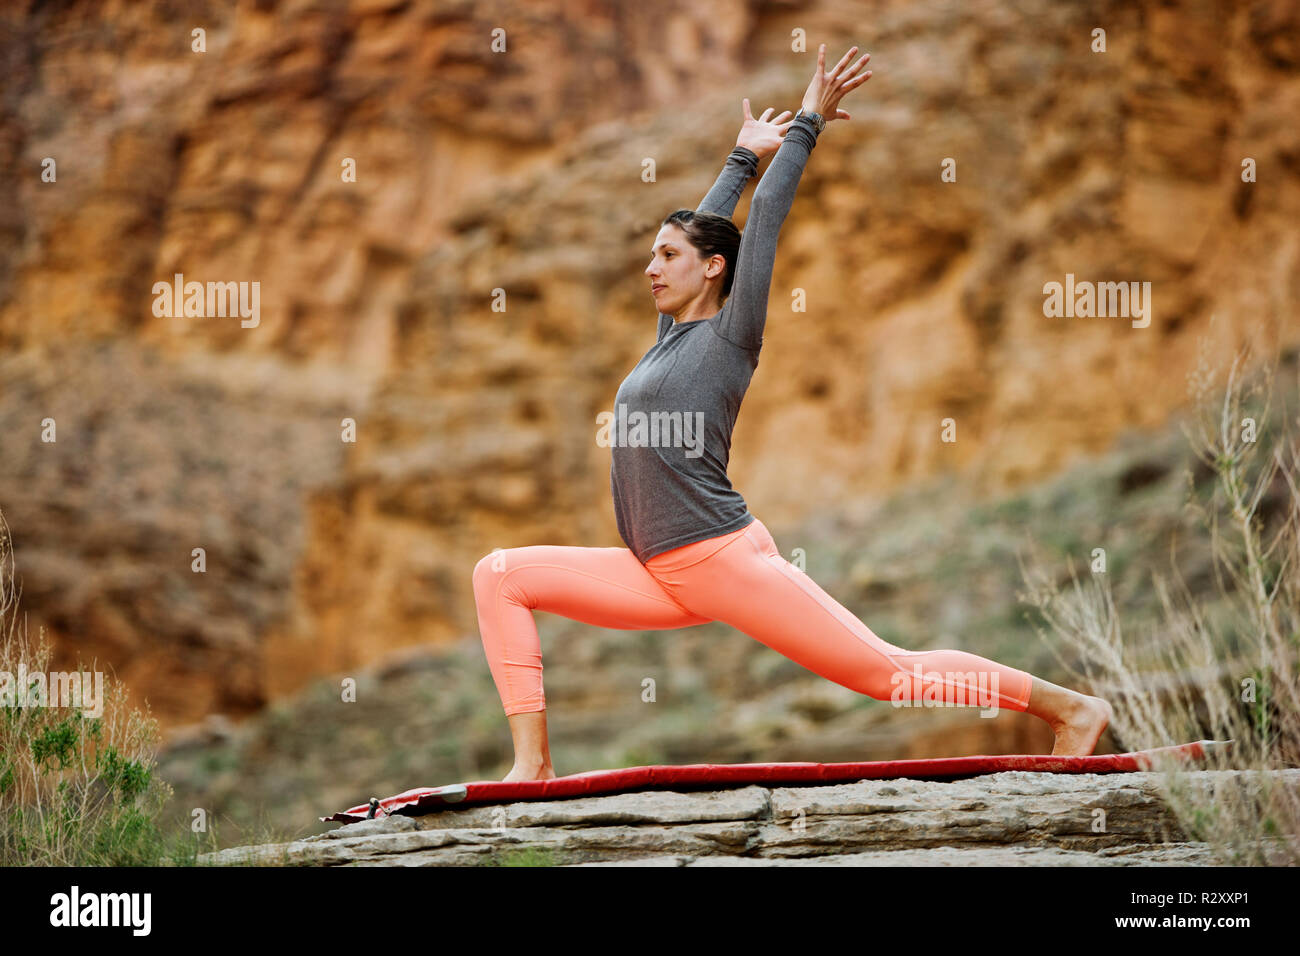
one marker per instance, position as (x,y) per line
(819,123)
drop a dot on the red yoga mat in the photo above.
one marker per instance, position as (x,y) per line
(709,776)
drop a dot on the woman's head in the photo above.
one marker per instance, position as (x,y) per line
(694,258)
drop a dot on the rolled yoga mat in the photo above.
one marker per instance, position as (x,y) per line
(707,776)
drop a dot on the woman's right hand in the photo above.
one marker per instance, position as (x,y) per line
(827,89)
(762,136)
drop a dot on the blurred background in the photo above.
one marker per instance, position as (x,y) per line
(520,169)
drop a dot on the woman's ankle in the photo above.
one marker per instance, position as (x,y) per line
(533,764)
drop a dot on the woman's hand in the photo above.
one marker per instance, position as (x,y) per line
(827,89)
(760,136)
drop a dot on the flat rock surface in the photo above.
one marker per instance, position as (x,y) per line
(1015,818)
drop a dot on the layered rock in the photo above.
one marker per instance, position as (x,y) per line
(1013,818)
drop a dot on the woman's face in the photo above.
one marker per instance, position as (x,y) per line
(677,273)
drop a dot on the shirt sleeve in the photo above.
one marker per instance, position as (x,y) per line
(740,167)
(745,312)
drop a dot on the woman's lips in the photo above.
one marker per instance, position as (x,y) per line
(655,288)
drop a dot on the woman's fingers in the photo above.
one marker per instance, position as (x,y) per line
(852,72)
(855,82)
(843,62)
(831,87)
(850,84)
(766,115)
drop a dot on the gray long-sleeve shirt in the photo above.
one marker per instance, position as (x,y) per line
(674,413)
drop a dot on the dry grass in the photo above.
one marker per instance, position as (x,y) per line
(75,790)
(1197,676)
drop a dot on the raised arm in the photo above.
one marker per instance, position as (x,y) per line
(757,138)
(745,312)
(740,167)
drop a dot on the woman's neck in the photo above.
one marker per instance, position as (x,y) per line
(693,313)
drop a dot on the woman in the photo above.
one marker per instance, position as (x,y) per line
(695,553)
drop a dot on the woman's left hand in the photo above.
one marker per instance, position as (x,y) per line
(827,89)
(759,135)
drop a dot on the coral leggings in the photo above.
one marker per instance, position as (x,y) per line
(738,578)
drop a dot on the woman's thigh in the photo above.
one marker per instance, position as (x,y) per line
(747,584)
(605,587)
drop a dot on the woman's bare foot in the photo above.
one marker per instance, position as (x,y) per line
(520,772)
(532,752)
(1080,727)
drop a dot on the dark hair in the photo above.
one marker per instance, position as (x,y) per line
(710,235)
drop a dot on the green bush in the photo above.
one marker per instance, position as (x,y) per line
(74,790)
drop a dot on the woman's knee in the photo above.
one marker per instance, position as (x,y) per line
(488,569)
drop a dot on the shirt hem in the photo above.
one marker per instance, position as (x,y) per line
(696,536)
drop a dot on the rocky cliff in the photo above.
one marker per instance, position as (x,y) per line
(521,170)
